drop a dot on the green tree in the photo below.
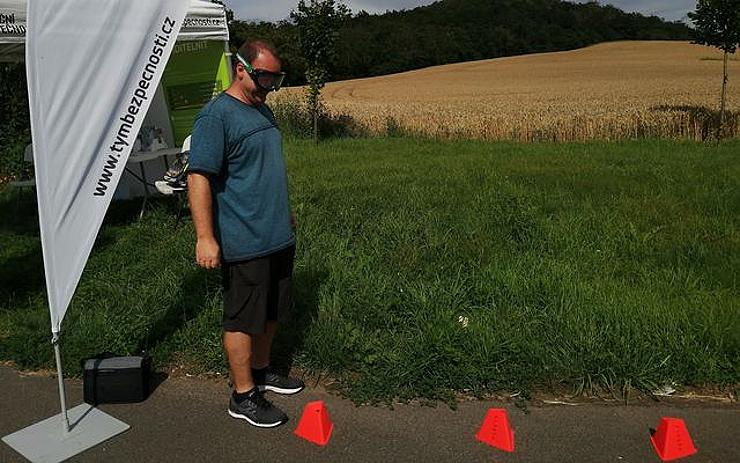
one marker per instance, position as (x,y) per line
(717,24)
(318,23)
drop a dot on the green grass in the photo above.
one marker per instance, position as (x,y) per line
(598,267)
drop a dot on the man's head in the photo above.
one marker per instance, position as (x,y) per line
(257,71)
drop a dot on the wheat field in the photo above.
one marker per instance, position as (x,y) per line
(608,91)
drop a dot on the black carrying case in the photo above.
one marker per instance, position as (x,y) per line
(112,379)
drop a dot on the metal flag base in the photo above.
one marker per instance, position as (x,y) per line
(47,441)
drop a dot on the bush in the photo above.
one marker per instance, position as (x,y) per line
(15,126)
(294,118)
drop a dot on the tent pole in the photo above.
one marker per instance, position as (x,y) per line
(228,54)
(60,378)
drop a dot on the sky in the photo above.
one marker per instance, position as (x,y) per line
(275,10)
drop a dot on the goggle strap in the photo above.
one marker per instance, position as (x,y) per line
(244,62)
(251,70)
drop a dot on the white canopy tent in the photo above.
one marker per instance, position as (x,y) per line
(93,69)
(205,22)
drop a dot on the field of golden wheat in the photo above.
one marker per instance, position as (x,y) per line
(608,91)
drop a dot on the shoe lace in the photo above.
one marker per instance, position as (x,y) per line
(259,400)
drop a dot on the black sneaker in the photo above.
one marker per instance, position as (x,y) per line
(269,381)
(257,410)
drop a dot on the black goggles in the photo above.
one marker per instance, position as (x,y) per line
(266,80)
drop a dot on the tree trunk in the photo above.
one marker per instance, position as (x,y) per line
(316,124)
(724,101)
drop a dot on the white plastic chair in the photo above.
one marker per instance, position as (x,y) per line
(28,160)
(167,189)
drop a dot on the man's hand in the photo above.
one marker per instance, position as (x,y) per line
(208,253)
(292,219)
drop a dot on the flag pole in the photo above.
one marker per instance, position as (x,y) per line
(60,378)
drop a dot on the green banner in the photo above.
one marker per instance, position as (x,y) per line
(196,72)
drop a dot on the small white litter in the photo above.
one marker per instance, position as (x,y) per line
(665,391)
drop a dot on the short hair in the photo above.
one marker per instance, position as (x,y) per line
(251,50)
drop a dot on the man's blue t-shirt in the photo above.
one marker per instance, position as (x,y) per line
(241,149)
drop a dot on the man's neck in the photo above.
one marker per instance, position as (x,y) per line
(239,95)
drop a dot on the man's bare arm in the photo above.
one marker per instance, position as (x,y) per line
(207,251)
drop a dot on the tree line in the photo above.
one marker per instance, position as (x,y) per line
(452,31)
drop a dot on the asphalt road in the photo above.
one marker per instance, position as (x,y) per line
(185,420)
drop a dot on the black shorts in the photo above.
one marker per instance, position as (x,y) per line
(257,291)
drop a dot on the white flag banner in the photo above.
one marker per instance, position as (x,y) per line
(92,68)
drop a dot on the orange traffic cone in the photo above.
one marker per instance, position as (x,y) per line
(672,440)
(315,425)
(496,430)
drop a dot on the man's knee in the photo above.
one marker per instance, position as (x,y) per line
(238,346)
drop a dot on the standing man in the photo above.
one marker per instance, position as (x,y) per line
(238,193)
